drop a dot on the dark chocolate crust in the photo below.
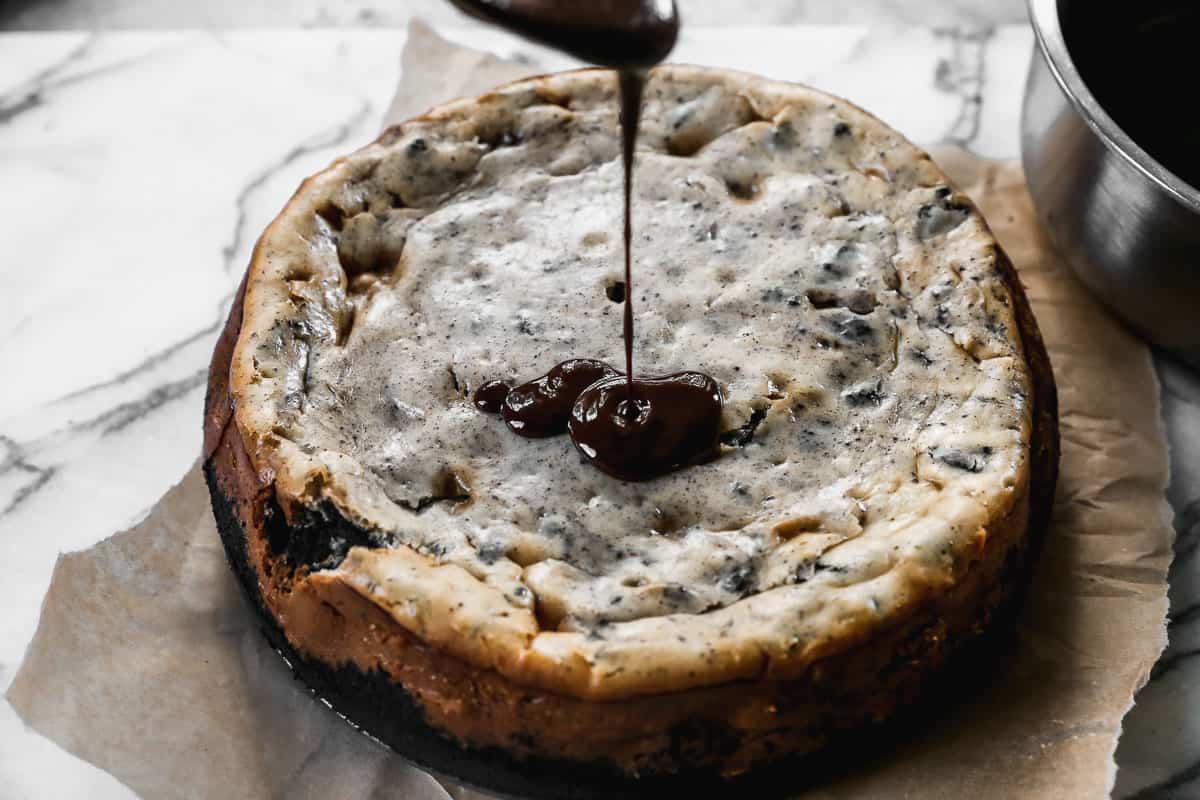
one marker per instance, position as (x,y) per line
(385,711)
(690,760)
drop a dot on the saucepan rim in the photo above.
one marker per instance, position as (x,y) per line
(1047,28)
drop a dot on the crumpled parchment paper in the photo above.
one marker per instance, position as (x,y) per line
(148,664)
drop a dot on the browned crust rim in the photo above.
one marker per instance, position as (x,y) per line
(556,662)
(411,722)
(413,696)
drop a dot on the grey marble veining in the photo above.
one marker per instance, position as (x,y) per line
(1159,751)
(227,14)
(146,163)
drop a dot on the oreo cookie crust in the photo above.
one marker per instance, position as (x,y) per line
(632,644)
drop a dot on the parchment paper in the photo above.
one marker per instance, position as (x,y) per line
(147,663)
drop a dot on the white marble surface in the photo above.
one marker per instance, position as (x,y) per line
(135,172)
(229,14)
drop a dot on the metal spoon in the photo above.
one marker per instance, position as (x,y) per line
(611,33)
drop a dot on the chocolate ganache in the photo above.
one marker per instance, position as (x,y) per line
(631,428)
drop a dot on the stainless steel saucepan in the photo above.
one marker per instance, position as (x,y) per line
(1128,226)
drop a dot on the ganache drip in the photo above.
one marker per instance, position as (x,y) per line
(632,432)
(632,428)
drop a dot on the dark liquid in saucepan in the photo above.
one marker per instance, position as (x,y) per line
(1139,60)
(632,428)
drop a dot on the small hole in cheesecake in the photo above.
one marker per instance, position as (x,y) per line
(751,113)
(549,613)
(665,522)
(504,138)
(615,290)
(858,301)
(345,323)
(743,190)
(744,433)
(940,217)
(448,487)
(796,526)
(453,487)
(633,582)
(684,147)
(458,386)
(333,215)
(525,553)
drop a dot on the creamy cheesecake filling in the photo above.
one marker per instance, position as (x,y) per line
(848,303)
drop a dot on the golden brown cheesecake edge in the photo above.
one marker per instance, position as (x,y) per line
(727,729)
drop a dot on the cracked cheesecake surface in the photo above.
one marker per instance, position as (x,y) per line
(853,308)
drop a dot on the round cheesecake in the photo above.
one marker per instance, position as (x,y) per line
(497,608)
